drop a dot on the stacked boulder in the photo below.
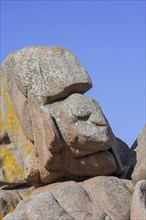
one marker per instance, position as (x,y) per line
(53,139)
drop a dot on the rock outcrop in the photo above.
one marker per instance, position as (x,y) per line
(59,158)
(137,158)
(97,198)
(138,205)
(52,130)
(9,198)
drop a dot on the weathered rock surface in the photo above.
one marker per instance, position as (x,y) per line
(98,198)
(124,150)
(50,131)
(82,144)
(16,149)
(137,158)
(138,205)
(43,206)
(111,195)
(9,199)
(47,73)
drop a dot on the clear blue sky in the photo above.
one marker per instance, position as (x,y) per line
(108,37)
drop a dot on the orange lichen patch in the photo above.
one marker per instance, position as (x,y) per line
(10,166)
(56,49)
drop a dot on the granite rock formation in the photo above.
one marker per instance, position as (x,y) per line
(137,157)
(49,130)
(9,198)
(138,205)
(53,138)
(90,199)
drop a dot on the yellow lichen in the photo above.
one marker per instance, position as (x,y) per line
(1,122)
(1,215)
(28,149)
(11,122)
(11,54)
(10,166)
(56,49)
(10,207)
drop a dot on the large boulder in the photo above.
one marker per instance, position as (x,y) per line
(47,73)
(137,158)
(9,198)
(47,129)
(99,198)
(43,206)
(138,205)
(49,132)
(111,196)
(73,136)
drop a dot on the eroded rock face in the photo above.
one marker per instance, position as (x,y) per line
(138,205)
(137,157)
(48,130)
(124,150)
(81,146)
(47,73)
(9,199)
(96,199)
